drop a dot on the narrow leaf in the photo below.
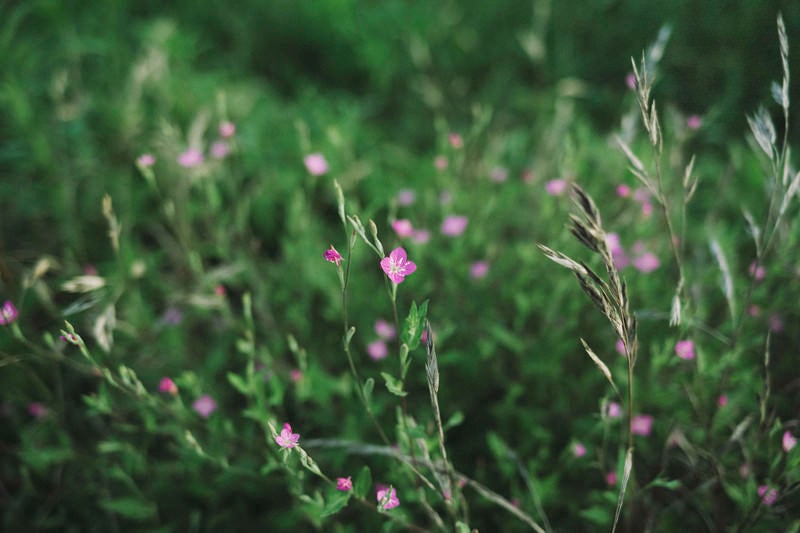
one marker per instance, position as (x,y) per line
(626,475)
(601,365)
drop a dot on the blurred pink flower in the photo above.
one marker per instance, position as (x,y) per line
(642,425)
(498,174)
(403,227)
(406,197)
(220,149)
(455,140)
(89,270)
(168,386)
(219,290)
(295,375)
(377,350)
(8,313)
(647,209)
(641,195)
(316,164)
(767,494)
(191,158)
(385,330)
(614,410)
(754,310)
(479,269)
(555,187)
(722,401)
(397,266)
(146,160)
(685,349)
(387,498)
(788,442)
(227,129)
(440,162)
(421,236)
(775,323)
(694,122)
(38,409)
(332,256)
(287,439)
(620,347)
(630,81)
(623,190)
(454,225)
(204,405)
(611,479)
(646,263)
(618,254)
(757,271)
(344,483)
(578,449)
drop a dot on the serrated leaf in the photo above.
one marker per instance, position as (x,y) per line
(133,508)
(393,385)
(363,482)
(238,383)
(337,502)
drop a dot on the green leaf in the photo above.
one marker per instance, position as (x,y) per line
(238,383)
(369,384)
(363,482)
(133,508)
(412,331)
(336,503)
(670,484)
(394,385)
(455,420)
(461,527)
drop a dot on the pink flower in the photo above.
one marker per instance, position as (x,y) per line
(789,441)
(614,410)
(620,347)
(685,349)
(767,494)
(191,158)
(455,140)
(403,227)
(38,410)
(287,439)
(578,449)
(722,401)
(219,290)
(316,164)
(642,425)
(646,263)
(754,310)
(623,190)
(204,405)
(387,498)
(479,269)
(8,313)
(440,162)
(377,350)
(296,375)
(227,129)
(641,195)
(630,81)
(421,236)
(397,266)
(406,197)
(555,187)
(146,160)
(757,271)
(220,149)
(617,252)
(344,483)
(332,256)
(611,479)
(454,225)
(498,174)
(168,386)
(385,330)
(694,122)
(775,323)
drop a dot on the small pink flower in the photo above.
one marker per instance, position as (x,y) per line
(620,347)
(421,236)
(406,197)
(611,479)
(8,313)
(685,349)
(623,190)
(455,140)
(220,149)
(757,271)
(227,129)
(767,494)
(191,158)
(789,441)
(479,269)
(642,425)
(168,386)
(332,256)
(775,323)
(377,350)
(38,410)
(754,310)
(424,336)
(316,164)
(287,439)
(618,254)
(296,375)
(641,195)
(387,498)
(204,405)
(454,225)
(646,263)
(440,162)
(146,160)
(722,401)
(344,483)
(498,174)
(614,410)
(578,449)
(89,270)
(397,266)
(556,187)
(647,209)
(403,227)
(219,290)
(385,330)
(694,122)
(630,81)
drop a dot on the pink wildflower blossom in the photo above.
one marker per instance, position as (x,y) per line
(421,236)
(722,401)
(397,266)
(757,271)
(694,122)
(168,386)
(403,227)
(332,256)
(620,347)
(220,149)
(618,254)
(647,209)
(479,269)
(219,290)
(227,129)
(191,158)
(775,323)
(287,439)
(316,164)
(789,441)
(455,140)
(146,160)
(406,197)
(296,375)
(767,494)
(630,81)
(204,405)
(440,162)
(556,187)
(623,190)
(385,330)
(454,225)
(387,498)
(611,479)
(685,349)
(377,350)
(8,313)
(578,449)
(754,310)
(614,410)
(646,263)
(344,483)
(38,409)
(642,425)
